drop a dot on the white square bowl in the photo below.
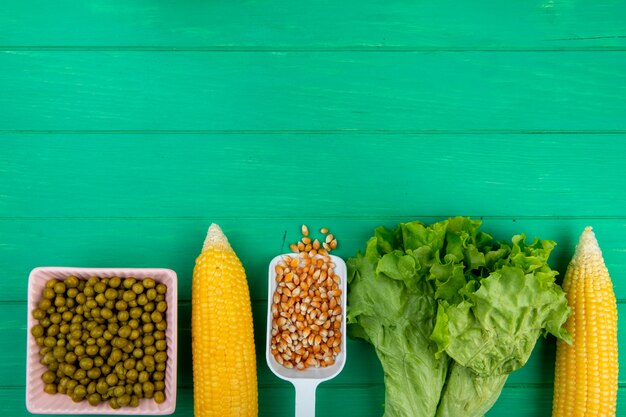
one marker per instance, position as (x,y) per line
(39,402)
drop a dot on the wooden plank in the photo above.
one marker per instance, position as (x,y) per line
(418,91)
(175,243)
(539,369)
(283,24)
(287,176)
(357,401)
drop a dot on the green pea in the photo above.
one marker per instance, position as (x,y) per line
(96,332)
(160,367)
(124,400)
(140,366)
(53,330)
(91,388)
(149,307)
(112,379)
(118,391)
(50,388)
(133,323)
(51,283)
(148,340)
(145,317)
(38,313)
(59,288)
(150,350)
(95,313)
(137,353)
(93,399)
(91,304)
(128,348)
(138,389)
(48,377)
(90,341)
(143,376)
(101,342)
(159,298)
(161,345)
(142,300)
(158,376)
(160,357)
(135,312)
(50,342)
(113,403)
(110,294)
(161,325)
(148,328)
(72,281)
(101,299)
(132,375)
(72,293)
(148,361)
(128,283)
(55,318)
(102,386)
(113,328)
(159,386)
(115,282)
(124,331)
(92,350)
(67,316)
(48,293)
(45,322)
(104,350)
(81,298)
(128,296)
(86,363)
(89,291)
(70,357)
(132,304)
(107,335)
(79,350)
(110,304)
(151,294)
(94,373)
(129,363)
(122,316)
(148,387)
(120,371)
(99,287)
(64,328)
(80,374)
(71,384)
(54,366)
(134,335)
(37,330)
(59,352)
(59,301)
(39,340)
(106,313)
(106,369)
(69,369)
(161,288)
(159,397)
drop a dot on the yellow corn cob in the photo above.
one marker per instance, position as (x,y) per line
(224,362)
(586,372)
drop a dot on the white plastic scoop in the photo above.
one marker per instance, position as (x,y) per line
(306,381)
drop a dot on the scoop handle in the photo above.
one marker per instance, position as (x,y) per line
(305,397)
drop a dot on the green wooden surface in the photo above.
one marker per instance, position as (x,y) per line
(127,127)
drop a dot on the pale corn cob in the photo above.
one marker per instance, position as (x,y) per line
(586,372)
(224,362)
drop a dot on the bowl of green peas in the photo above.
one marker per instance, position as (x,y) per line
(101,341)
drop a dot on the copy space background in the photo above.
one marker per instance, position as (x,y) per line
(128,126)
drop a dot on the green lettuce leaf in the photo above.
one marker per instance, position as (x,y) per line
(451,313)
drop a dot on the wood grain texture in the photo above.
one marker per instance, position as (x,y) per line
(280,24)
(359,401)
(406,91)
(350,175)
(175,243)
